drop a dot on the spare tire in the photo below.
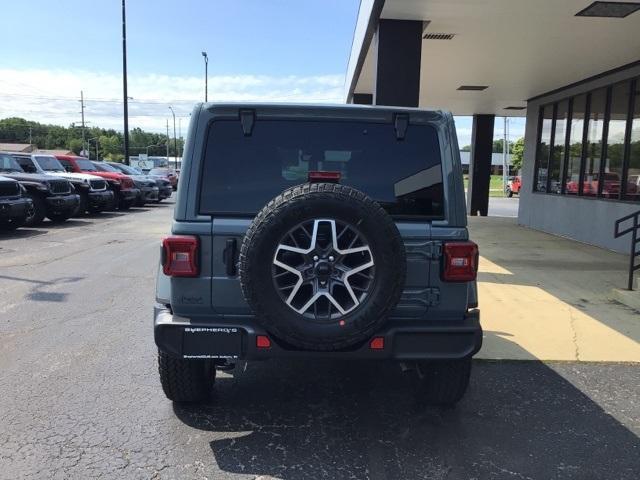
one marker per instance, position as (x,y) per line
(322,265)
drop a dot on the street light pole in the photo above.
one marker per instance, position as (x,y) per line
(124,85)
(175,139)
(206,75)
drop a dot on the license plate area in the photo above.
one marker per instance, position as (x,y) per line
(211,342)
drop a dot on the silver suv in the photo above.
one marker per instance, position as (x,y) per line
(318,231)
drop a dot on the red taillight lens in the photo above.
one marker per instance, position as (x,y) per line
(180,256)
(262,341)
(377,343)
(460,261)
(330,177)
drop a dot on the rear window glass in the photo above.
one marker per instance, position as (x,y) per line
(242,173)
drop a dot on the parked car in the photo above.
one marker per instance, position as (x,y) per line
(358,257)
(124,190)
(610,187)
(95,195)
(147,188)
(14,205)
(513,186)
(166,173)
(164,186)
(51,197)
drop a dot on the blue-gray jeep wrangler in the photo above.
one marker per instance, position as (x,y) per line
(318,231)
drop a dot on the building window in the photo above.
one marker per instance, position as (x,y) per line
(595,130)
(556,160)
(574,159)
(611,182)
(542,152)
(589,145)
(632,191)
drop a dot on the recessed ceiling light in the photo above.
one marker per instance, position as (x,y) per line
(609,9)
(514,108)
(473,87)
(438,36)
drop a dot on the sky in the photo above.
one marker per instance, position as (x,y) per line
(277,50)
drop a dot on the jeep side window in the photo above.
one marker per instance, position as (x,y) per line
(67,165)
(27,164)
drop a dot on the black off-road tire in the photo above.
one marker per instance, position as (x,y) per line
(317,201)
(509,193)
(38,213)
(185,380)
(83,206)
(10,226)
(443,382)
(60,217)
(125,205)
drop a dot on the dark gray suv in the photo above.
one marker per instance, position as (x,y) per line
(318,231)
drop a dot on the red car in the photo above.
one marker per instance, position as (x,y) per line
(610,187)
(166,173)
(124,189)
(513,186)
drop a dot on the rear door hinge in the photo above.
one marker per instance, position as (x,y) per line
(433,296)
(434,250)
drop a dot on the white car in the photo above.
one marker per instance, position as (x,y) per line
(94,191)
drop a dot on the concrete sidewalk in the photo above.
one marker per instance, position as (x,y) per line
(549,298)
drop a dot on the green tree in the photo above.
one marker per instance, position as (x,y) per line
(517,154)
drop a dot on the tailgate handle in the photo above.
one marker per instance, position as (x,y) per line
(229,256)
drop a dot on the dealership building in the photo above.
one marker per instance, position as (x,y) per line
(572,67)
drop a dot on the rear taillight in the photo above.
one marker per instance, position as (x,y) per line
(180,256)
(460,261)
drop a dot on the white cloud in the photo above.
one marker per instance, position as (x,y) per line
(52,96)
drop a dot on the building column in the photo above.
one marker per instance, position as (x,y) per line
(480,165)
(398,52)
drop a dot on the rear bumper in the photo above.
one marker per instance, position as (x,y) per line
(62,203)
(402,340)
(14,208)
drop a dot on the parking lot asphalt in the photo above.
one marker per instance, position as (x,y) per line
(80,398)
(503,207)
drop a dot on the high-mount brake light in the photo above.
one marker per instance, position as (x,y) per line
(319,176)
(460,261)
(180,256)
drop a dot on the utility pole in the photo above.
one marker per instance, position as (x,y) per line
(175,139)
(30,138)
(505,150)
(167,141)
(84,147)
(124,84)
(180,134)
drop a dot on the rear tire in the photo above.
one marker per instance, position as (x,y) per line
(509,193)
(443,382)
(185,380)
